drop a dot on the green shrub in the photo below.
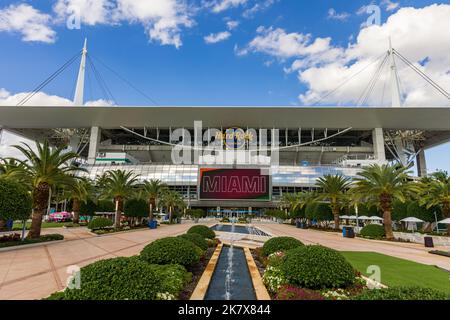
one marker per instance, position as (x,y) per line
(196,239)
(317,267)
(280,244)
(136,208)
(100,223)
(373,231)
(402,293)
(127,279)
(196,213)
(204,231)
(172,250)
(51,237)
(279,214)
(88,208)
(15,201)
(318,211)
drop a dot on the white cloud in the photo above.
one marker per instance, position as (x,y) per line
(217,37)
(334,15)
(260,6)
(232,24)
(218,6)
(416,33)
(163,20)
(33,25)
(43,99)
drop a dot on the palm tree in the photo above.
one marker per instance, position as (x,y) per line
(8,167)
(119,185)
(437,193)
(172,200)
(79,192)
(295,201)
(381,186)
(41,170)
(152,190)
(334,189)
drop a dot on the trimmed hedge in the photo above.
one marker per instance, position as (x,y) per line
(15,201)
(127,279)
(280,244)
(317,267)
(137,208)
(14,239)
(373,231)
(204,231)
(402,293)
(100,223)
(171,250)
(196,239)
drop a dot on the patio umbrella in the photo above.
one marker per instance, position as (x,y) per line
(376,218)
(363,218)
(411,221)
(344,217)
(445,221)
(352,217)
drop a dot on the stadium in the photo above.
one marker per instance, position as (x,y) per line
(264,152)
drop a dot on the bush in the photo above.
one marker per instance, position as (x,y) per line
(196,239)
(88,208)
(319,211)
(280,244)
(100,223)
(373,231)
(279,214)
(136,208)
(196,213)
(127,279)
(15,201)
(402,293)
(14,239)
(172,250)
(204,231)
(288,292)
(317,267)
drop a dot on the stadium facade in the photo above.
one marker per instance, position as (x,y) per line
(195,149)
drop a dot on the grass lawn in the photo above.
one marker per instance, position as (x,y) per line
(18,225)
(400,272)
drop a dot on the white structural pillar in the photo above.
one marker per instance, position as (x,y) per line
(378,144)
(421,163)
(78,99)
(94,143)
(395,84)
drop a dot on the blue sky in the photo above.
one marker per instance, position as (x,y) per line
(254,65)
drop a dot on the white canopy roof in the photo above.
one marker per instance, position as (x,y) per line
(411,219)
(445,221)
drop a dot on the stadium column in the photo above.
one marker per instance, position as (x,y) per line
(421,164)
(378,144)
(94,142)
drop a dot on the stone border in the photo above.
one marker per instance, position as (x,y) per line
(203,284)
(31,245)
(258,285)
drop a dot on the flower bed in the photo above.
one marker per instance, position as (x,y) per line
(319,273)
(14,239)
(166,269)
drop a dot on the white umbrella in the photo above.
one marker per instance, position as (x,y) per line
(376,218)
(445,221)
(363,218)
(411,220)
(352,217)
(344,217)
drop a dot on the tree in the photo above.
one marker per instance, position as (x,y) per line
(119,185)
(153,190)
(80,192)
(296,203)
(437,193)
(15,201)
(381,186)
(334,189)
(136,208)
(172,201)
(40,171)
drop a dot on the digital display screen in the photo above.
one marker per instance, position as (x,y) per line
(233,184)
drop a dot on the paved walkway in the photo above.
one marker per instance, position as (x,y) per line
(409,251)
(34,273)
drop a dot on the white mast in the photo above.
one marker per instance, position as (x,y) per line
(78,99)
(395,85)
